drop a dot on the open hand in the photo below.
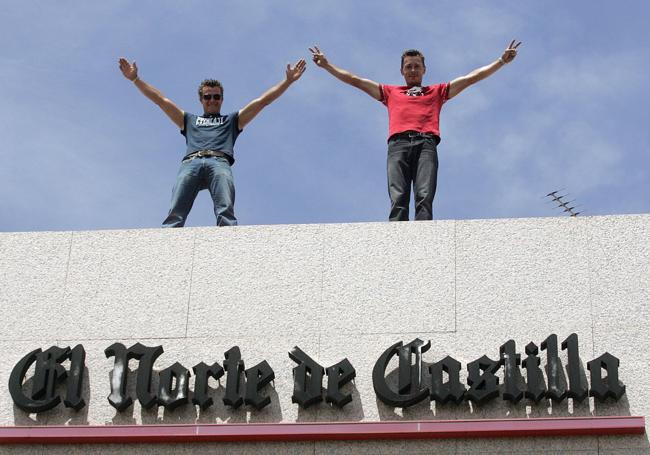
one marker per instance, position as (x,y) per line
(129,70)
(511,52)
(318,57)
(294,72)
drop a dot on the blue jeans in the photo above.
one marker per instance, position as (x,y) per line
(212,173)
(412,160)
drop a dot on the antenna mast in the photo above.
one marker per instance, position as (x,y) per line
(564,205)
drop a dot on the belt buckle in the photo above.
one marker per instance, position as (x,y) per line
(411,134)
(191,156)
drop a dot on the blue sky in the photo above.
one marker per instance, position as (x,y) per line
(81,148)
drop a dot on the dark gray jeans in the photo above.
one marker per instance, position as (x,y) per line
(412,159)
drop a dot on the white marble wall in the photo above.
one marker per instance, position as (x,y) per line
(336,291)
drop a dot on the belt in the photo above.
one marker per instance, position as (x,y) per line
(413,135)
(204,154)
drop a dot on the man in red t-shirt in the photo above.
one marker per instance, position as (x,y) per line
(413,125)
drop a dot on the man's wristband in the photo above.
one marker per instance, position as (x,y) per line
(503,62)
(135,80)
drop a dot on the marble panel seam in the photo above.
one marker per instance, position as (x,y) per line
(189,291)
(67,268)
(455,277)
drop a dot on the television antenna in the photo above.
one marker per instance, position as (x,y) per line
(566,207)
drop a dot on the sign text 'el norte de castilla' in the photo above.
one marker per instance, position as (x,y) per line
(411,382)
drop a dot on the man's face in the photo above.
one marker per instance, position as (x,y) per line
(212,105)
(413,69)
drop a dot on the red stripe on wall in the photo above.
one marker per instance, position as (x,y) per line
(126,434)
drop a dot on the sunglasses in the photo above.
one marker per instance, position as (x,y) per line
(216,97)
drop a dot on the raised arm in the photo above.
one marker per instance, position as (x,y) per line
(130,71)
(366,85)
(461,83)
(253,108)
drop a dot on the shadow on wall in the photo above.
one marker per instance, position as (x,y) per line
(59,415)
(497,408)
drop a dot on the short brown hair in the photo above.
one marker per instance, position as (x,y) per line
(412,53)
(210,83)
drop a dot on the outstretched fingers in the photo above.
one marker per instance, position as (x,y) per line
(295,71)
(129,70)
(301,65)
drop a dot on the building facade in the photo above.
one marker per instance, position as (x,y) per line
(337,292)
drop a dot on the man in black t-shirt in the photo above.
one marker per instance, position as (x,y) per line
(210,140)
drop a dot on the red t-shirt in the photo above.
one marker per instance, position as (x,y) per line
(414,109)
